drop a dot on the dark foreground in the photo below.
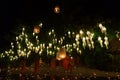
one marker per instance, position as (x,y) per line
(58,73)
(45,77)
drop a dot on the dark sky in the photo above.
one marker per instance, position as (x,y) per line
(30,11)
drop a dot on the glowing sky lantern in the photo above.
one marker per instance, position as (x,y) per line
(61,54)
(57,9)
(36,29)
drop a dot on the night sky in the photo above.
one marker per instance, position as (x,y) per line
(26,11)
(32,11)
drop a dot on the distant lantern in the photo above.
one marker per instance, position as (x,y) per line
(36,29)
(57,9)
(61,54)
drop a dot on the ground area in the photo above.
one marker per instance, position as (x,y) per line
(58,73)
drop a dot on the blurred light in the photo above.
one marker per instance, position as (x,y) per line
(61,54)
(36,29)
(99,38)
(81,32)
(100,25)
(88,33)
(23,29)
(57,9)
(40,25)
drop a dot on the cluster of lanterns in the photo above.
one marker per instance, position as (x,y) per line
(56,45)
(87,39)
(104,31)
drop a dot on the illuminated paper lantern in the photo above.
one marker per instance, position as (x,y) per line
(61,54)
(57,9)
(36,29)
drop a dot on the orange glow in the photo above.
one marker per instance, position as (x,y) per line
(61,54)
(57,9)
(36,29)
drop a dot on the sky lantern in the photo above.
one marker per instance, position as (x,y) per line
(61,54)
(36,29)
(57,9)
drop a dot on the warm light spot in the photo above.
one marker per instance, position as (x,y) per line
(104,29)
(106,38)
(83,39)
(77,36)
(40,25)
(87,38)
(100,25)
(88,33)
(68,32)
(99,38)
(50,45)
(36,29)
(57,9)
(23,29)
(81,32)
(61,54)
